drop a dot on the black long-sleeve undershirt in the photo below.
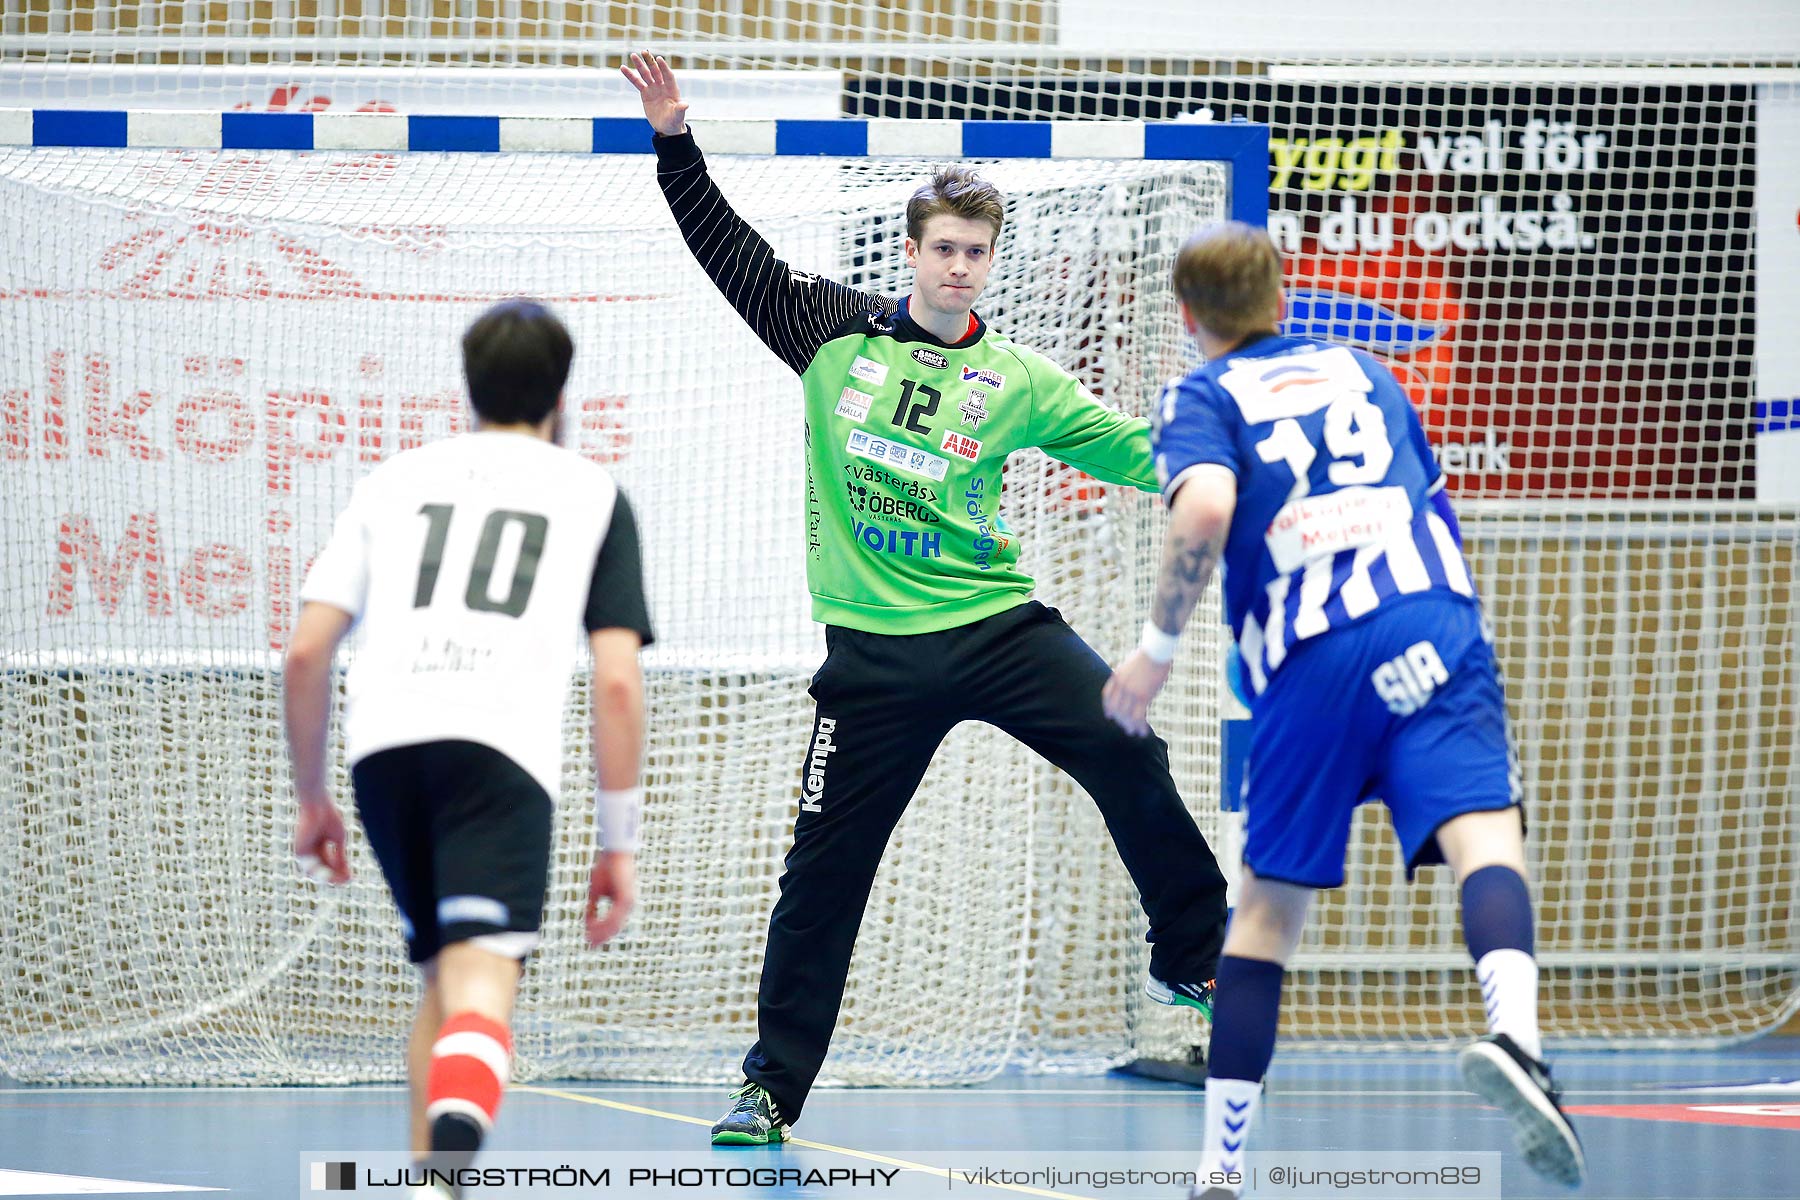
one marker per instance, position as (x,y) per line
(794,312)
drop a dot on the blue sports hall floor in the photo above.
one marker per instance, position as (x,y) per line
(1703,1123)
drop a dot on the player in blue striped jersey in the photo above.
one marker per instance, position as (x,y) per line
(1305,556)
(1302,468)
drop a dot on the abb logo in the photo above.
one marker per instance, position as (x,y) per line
(961,445)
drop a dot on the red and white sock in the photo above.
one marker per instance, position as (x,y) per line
(470,1065)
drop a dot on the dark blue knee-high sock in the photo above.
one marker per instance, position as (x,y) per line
(1246,1009)
(1496,913)
(1498,931)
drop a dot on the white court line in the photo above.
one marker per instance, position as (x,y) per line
(943,1173)
(952,1094)
(948,1095)
(39,1183)
(138,1089)
(1770,1087)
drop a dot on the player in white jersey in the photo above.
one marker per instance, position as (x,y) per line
(469,568)
(1303,469)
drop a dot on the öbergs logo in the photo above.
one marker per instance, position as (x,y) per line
(930,358)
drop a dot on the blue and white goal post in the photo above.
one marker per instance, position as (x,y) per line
(1241,146)
(217,322)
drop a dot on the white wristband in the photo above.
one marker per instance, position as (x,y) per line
(1158,647)
(616,816)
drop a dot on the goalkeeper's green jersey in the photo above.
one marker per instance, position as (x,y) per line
(906,435)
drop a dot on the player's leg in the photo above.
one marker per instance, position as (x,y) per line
(471,1056)
(1265,927)
(426,1022)
(397,826)
(1310,758)
(1033,677)
(490,835)
(1486,851)
(1470,819)
(879,719)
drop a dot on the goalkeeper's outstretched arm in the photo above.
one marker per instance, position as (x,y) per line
(793,312)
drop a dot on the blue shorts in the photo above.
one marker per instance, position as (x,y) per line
(1404,706)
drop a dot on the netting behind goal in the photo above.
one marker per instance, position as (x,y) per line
(207,349)
(729,33)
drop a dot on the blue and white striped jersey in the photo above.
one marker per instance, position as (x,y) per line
(1338,510)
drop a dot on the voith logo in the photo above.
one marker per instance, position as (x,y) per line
(983,376)
(925,356)
(812,793)
(910,543)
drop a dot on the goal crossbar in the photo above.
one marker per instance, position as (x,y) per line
(1242,146)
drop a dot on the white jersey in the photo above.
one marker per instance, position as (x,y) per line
(468,564)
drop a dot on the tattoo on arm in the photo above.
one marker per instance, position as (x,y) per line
(1187,568)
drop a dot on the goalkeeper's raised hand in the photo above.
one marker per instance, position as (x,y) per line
(663,106)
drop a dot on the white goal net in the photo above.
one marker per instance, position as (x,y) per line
(1569,229)
(207,349)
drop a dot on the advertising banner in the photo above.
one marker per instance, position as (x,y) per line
(1560,275)
(206,355)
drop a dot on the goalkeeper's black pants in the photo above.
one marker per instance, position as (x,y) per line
(884,704)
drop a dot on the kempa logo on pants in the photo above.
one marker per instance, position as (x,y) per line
(822,750)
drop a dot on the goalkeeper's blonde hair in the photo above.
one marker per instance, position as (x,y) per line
(1229,279)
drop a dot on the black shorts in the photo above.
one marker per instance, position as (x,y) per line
(462,833)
